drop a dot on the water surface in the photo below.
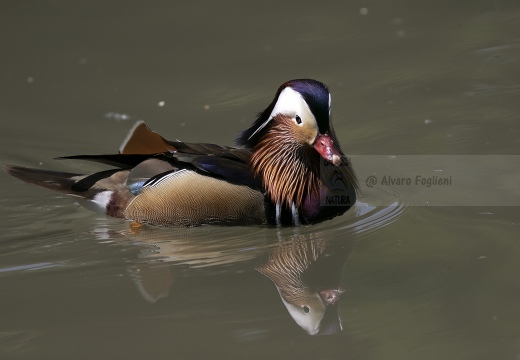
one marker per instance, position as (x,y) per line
(407,78)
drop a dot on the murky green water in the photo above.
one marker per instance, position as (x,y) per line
(407,78)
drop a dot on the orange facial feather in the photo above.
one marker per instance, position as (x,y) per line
(289,168)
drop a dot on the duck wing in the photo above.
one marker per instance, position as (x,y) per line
(221,162)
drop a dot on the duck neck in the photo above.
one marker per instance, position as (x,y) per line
(289,171)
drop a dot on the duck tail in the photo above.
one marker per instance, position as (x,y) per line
(52,180)
(103,192)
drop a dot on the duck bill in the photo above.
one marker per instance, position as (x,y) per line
(331,296)
(324,145)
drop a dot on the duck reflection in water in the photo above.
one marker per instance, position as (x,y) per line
(307,274)
(306,269)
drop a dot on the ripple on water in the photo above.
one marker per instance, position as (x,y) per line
(370,215)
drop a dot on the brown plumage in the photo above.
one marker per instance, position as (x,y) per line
(204,200)
(289,170)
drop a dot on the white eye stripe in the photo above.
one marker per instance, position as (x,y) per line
(291,103)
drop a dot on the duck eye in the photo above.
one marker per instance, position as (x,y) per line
(298,119)
(306,309)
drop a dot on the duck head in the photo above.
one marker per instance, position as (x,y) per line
(288,139)
(302,109)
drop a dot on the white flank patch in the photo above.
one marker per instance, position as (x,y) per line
(101,200)
(98,204)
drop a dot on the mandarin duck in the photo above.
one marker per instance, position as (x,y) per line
(288,170)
